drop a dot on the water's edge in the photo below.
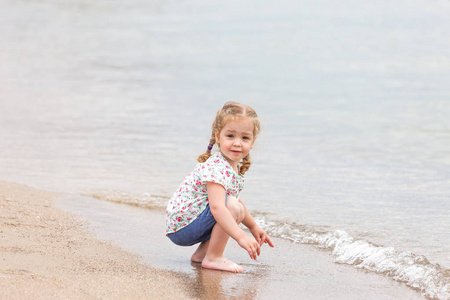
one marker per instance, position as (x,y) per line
(413,271)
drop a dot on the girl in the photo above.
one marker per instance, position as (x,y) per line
(206,208)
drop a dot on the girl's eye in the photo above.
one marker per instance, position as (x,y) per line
(246,138)
(230,135)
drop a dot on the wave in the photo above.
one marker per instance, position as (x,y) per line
(148,201)
(432,280)
(415,271)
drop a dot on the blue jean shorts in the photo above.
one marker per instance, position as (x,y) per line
(196,232)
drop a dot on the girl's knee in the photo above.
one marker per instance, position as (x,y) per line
(236,209)
(241,213)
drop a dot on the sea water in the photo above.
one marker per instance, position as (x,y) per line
(115,100)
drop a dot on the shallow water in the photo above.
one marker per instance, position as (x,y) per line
(277,273)
(115,100)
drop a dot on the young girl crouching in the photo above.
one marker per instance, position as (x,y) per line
(206,208)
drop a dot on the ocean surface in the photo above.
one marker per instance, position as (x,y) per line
(114,100)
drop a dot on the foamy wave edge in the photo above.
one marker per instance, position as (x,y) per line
(414,270)
(148,201)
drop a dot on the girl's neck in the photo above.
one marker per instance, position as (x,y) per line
(234,165)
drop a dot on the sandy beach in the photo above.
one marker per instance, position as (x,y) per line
(46,254)
(49,253)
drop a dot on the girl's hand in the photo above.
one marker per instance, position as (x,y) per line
(261,236)
(251,246)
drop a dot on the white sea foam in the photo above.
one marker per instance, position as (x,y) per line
(416,271)
(140,200)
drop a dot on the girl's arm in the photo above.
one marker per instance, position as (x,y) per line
(259,234)
(216,198)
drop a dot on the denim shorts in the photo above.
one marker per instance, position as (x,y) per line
(196,232)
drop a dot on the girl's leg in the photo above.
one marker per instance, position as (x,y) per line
(213,258)
(200,253)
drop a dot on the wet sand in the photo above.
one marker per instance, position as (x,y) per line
(288,271)
(45,253)
(104,250)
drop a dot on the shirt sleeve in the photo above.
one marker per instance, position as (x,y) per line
(216,172)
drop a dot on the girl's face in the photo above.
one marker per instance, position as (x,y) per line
(235,140)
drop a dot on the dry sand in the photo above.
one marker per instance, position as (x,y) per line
(45,253)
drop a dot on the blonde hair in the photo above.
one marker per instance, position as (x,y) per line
(232,111)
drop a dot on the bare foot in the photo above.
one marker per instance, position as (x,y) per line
(223,264)
(200,253)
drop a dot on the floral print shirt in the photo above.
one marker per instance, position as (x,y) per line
(191,197)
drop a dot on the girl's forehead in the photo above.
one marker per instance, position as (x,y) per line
(244,124)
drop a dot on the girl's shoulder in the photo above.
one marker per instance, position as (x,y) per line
(214,159)
(217,169)
(218,162)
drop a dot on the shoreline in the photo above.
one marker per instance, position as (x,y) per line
(284,272)
(45,252)
(59,246)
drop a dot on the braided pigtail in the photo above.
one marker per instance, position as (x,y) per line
(245,164)
(203,157)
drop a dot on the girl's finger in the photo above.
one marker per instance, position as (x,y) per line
(261,240)
(269,242)
(250,253)
(256,253)
(264,240)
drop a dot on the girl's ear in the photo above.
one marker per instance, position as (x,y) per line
(217,134)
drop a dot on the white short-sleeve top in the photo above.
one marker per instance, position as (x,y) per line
(191,197)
